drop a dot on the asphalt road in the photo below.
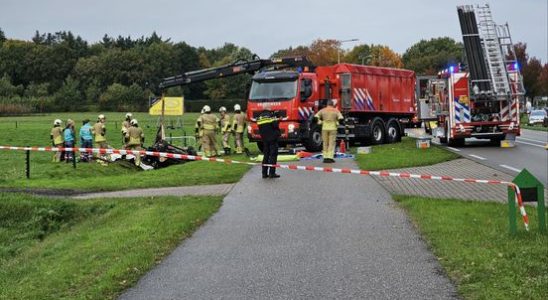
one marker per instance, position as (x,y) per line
(306,235)
(528,153)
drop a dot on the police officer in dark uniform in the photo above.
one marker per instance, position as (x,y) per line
(270,132)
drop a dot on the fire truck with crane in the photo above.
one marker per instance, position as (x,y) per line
(376,102)
(482,101)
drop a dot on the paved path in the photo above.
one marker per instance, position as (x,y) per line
(460,168)
(304,235)
(197,190)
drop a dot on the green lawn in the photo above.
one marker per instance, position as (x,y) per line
(93,249)
(524,120)
(472,243)
(34,131)
(402,155)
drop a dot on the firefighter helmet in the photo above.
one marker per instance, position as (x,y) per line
(133,122)
(100,117)
(57,122)
(222,109)
(206,108)
(129,116)
(237,107)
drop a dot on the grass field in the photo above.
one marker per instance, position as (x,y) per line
(34,131)
(472,243)
(402,155)
(524,120)
(93,249)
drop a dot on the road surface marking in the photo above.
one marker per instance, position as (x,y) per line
(511,168)
(454,149)
(530,144)
(532,140)
(478,157)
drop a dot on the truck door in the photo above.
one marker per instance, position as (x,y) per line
(346,91)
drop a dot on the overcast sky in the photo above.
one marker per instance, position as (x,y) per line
(267,26)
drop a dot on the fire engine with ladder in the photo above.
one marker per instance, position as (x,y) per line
(483,100)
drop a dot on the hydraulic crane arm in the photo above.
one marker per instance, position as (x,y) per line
(235,68)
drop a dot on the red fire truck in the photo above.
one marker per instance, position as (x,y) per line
(377,103)
(483,100)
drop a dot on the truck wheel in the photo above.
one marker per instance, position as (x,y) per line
(377,132)
(314,141)
(456,142)
(393,134)
(260,145)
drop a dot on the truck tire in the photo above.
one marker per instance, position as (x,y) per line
(456,142)
(393,131)
(377,132)
(313,142)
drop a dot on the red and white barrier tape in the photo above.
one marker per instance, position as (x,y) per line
(518,198)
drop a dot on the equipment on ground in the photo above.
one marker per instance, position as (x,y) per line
(483,100)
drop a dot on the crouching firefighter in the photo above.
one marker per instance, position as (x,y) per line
(135,139)
(270,133)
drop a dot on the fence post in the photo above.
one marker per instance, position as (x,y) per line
(15,124)
(74,157)
(27,164)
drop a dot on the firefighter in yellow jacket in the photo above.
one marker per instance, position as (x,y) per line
(99,132)
(199,134)
(208,122)
(126,124)
(57,139)
(329,118)
(238,127)
(135,139)
(225,129)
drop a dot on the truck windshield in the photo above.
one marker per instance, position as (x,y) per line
(264,91)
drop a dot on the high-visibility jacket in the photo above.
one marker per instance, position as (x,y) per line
(99,131)
(85,132)
(269,127)
(225,123)
(329,118)
(135,136)
(125,126)
(57,135)
(238,122)
(208,121)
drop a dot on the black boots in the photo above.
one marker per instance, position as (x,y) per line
(227,151)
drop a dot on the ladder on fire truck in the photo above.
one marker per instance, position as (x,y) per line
(499,55)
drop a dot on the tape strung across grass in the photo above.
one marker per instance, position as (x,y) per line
(518,198)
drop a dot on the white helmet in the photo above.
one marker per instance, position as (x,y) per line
(57,122)
(237,107)
(222,109)
(129,116)
(206,108)
(202,111)
(133,122)
(100,117)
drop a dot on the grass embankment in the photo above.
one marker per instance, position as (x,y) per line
(55,249)
(402,155)
(35,131)
(473,244)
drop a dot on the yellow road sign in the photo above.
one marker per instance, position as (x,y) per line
(173,107)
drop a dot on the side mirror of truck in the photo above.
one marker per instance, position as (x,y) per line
(306,89)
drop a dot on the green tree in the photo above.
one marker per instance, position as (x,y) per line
(2,37)
(360,54)
(430,56)
(69,97)
(7,89)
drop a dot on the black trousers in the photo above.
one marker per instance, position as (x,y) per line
(270,152)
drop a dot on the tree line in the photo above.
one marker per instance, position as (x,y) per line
(63,72)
